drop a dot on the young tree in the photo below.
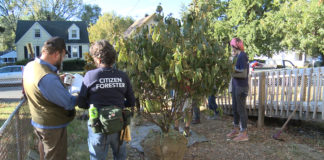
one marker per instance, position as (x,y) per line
(174,55)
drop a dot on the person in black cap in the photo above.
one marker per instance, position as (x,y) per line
(51,105)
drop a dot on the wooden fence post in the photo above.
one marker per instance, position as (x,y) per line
(261,87)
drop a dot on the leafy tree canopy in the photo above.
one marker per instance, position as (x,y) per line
(90,14)
(300,24)
(268,26)
(179,55)
(110,27)
(53,9)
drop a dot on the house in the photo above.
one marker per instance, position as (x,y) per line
(36,33)
(8,57)
(146,21)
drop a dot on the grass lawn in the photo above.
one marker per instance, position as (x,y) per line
(77,137)
(5,110)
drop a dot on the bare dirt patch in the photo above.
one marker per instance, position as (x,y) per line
(299,143)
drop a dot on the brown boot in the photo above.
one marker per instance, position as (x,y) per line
(233,133)
(243,136)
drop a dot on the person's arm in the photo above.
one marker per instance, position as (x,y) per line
(53,90)
(83,97)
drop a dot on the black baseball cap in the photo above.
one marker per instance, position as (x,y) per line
(57,43)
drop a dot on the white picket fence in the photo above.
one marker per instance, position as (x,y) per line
(279,92)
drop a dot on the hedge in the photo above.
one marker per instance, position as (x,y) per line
(74,65)
(22,62)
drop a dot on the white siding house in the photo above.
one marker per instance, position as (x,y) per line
(36,33)
(8,57)
(146,21)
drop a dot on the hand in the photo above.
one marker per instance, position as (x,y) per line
(62,76)
(69,82)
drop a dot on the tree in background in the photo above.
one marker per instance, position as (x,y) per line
(10,12)
(220,29)
(90,14)
(245,18)
(300,24)
(110,27)
(7,38)
(269,26)
(54,9)
(174,55)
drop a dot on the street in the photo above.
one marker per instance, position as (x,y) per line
(10,93)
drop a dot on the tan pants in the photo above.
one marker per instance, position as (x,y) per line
(54,142)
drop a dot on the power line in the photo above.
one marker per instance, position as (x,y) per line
(133,7)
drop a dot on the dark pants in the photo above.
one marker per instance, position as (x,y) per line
(239,95)
(196,110)
(212,104)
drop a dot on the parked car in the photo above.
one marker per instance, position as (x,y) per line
(11,74)
(319,61)
(271,64)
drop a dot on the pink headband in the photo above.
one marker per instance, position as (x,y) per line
(237,43)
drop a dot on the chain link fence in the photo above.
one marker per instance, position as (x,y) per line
(16,133)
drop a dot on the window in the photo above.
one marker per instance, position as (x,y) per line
(37,51)
(37,33)
(5,70)
(74,34)
(300,56)
(75,51)
(16,69)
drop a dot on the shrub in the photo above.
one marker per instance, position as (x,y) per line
(73,65)
(174,56)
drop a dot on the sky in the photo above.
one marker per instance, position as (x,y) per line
(138,8)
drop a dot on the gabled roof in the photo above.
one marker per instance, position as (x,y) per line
(11,54)
(137,24)
(54,28)
(4,52)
